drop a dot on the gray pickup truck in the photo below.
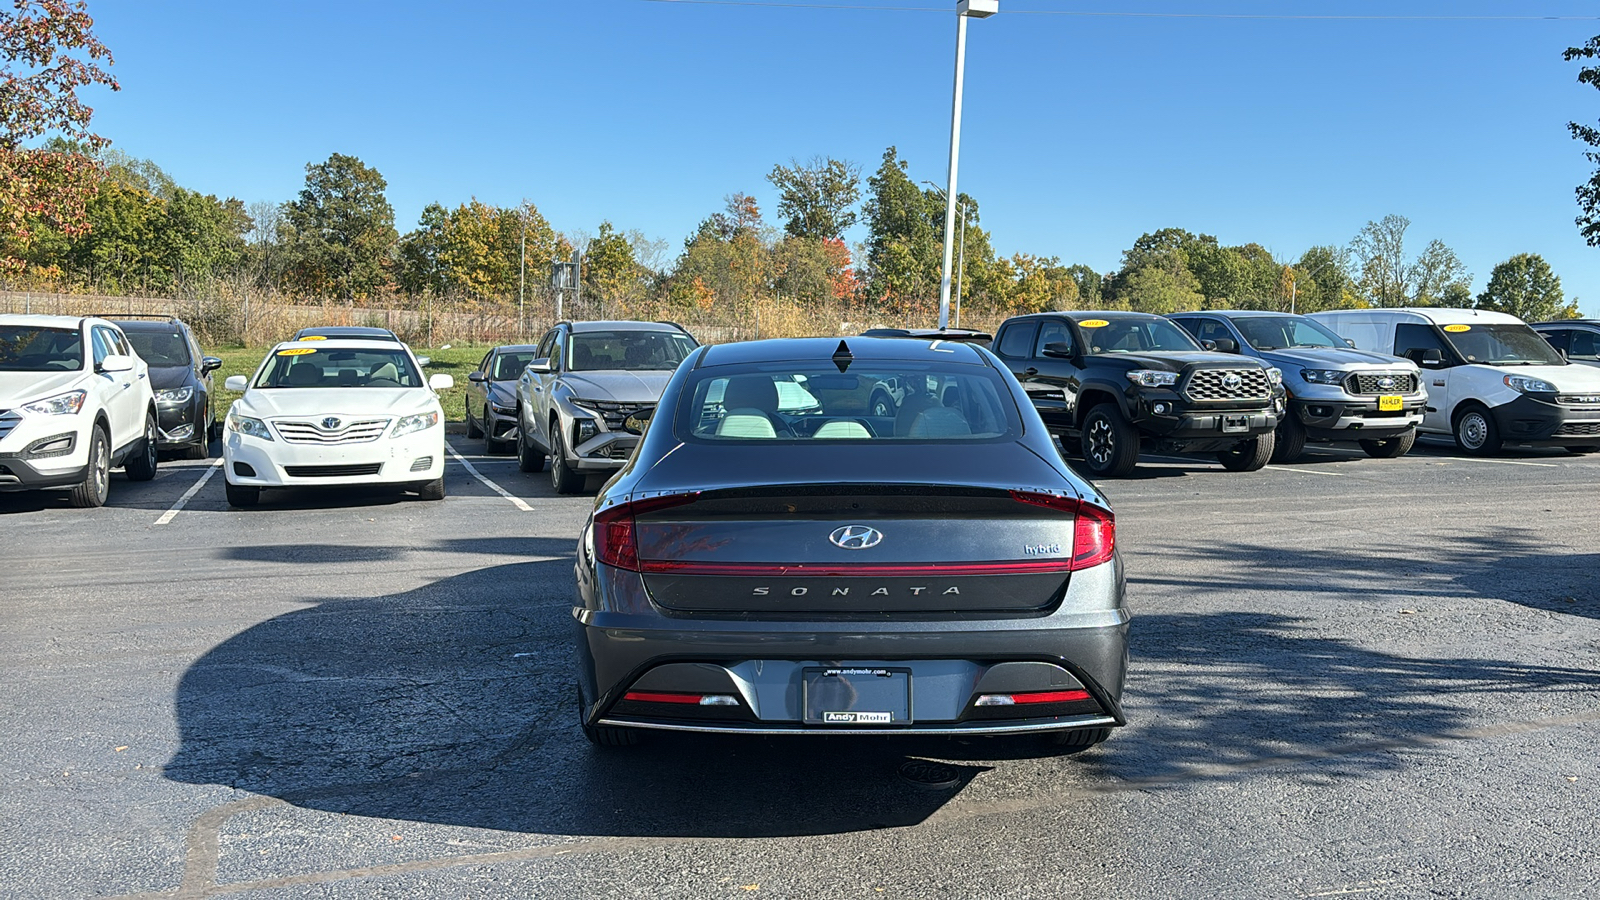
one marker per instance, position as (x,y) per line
(1336,392)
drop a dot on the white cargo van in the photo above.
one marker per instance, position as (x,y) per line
(1491,379)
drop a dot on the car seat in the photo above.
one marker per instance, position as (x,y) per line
(303,375)
(747,397)
(842,428)
(938,422)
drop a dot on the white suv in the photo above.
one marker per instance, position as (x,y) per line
(335,412)
(75,402)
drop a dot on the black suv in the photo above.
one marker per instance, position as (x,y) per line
(180,377)
(1111,381)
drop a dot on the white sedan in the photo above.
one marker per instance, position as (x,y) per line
(335,412)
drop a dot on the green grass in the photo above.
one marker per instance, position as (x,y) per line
(456,361)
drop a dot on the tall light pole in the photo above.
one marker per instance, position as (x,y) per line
(961,253)
(965,9)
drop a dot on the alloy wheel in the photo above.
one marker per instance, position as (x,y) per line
(1099,443)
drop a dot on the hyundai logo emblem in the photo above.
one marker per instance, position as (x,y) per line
(856,537)
(1232,380)
(330,423)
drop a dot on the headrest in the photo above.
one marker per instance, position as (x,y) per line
(304,374)
(750,392)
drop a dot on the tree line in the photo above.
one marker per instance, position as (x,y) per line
(81,216)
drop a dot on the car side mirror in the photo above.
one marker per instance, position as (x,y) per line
(116,362)
(1428,359)
(541,366)
(1226,345)
(477,377)
(441,382)
(237,383)
(1351,343)
(424,360)
(209,364)
(1058,350)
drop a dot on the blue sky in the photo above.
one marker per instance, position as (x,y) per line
(1080,133)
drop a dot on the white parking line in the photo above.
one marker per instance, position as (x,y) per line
(515,501)
(189,494)
(1298,471)
(1503,462)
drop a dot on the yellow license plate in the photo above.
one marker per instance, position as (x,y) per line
(1389,403)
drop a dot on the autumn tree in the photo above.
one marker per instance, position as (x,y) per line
(816,199)
(340,229)
(610,268)
(725,263)
(1524,286)
(1588,220)
(1388,277)
(1321,280)
(903,245)
(47,52)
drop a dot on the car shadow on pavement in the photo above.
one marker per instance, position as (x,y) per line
(454,704)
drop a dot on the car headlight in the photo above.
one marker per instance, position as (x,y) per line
(1323,376)
(413,423)
(501,409)
(1152,378)
(174,396)
(249,426)
(1529,385)
(1274,374)
(66,404)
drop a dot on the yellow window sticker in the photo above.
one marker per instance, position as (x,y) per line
(315,337)
(1458,328)
(297,351)
(1093,323)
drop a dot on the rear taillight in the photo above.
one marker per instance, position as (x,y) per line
(1094,530)
(616,536)
(1032,697)
(682,699)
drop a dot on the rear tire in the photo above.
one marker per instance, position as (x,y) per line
(1249,455)
(1290,440)
(529,457)
(1110,442)
(881,406)
(1391,448)
(473,431)
(562,477)
(1076,741)
(143,466)
(432,490)
(1476,433)
(95,487)
(240,496)
(605,735)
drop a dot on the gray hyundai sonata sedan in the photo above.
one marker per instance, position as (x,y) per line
(781,556)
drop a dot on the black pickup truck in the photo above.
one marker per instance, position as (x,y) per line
(1111,382)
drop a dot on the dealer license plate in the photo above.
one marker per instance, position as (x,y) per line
(1389,403)
(851,696)
(1235,424)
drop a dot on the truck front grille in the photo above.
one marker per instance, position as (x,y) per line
(614,413)
(8,421)
(1228,384)
(1381,383)
(1579,429)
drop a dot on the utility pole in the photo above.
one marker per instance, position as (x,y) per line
(965,9)
(522,278)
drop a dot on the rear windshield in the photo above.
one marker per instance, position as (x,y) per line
(27,349)
(302,367)
(1134,334)
(871,402)
(160,348)
(638,350)
(1284,332)
(1501,345)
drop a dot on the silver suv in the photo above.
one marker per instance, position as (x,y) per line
(1336,392)
(586,396)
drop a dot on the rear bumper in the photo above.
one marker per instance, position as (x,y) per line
(626,643)
(1533,421)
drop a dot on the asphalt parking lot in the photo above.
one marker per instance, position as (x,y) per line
(1363,677)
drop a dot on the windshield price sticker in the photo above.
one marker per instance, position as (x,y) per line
(296,351)
(1458,328)
(314,337)
(1093,323)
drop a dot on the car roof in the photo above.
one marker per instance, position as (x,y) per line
(934,334)
(344,343)
(348,331)
(1557,323)
(172,326)
(1079,315)
(515,348)
(1238,313)
(1438,315)
(623,325)
(30,320)
(822,350)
